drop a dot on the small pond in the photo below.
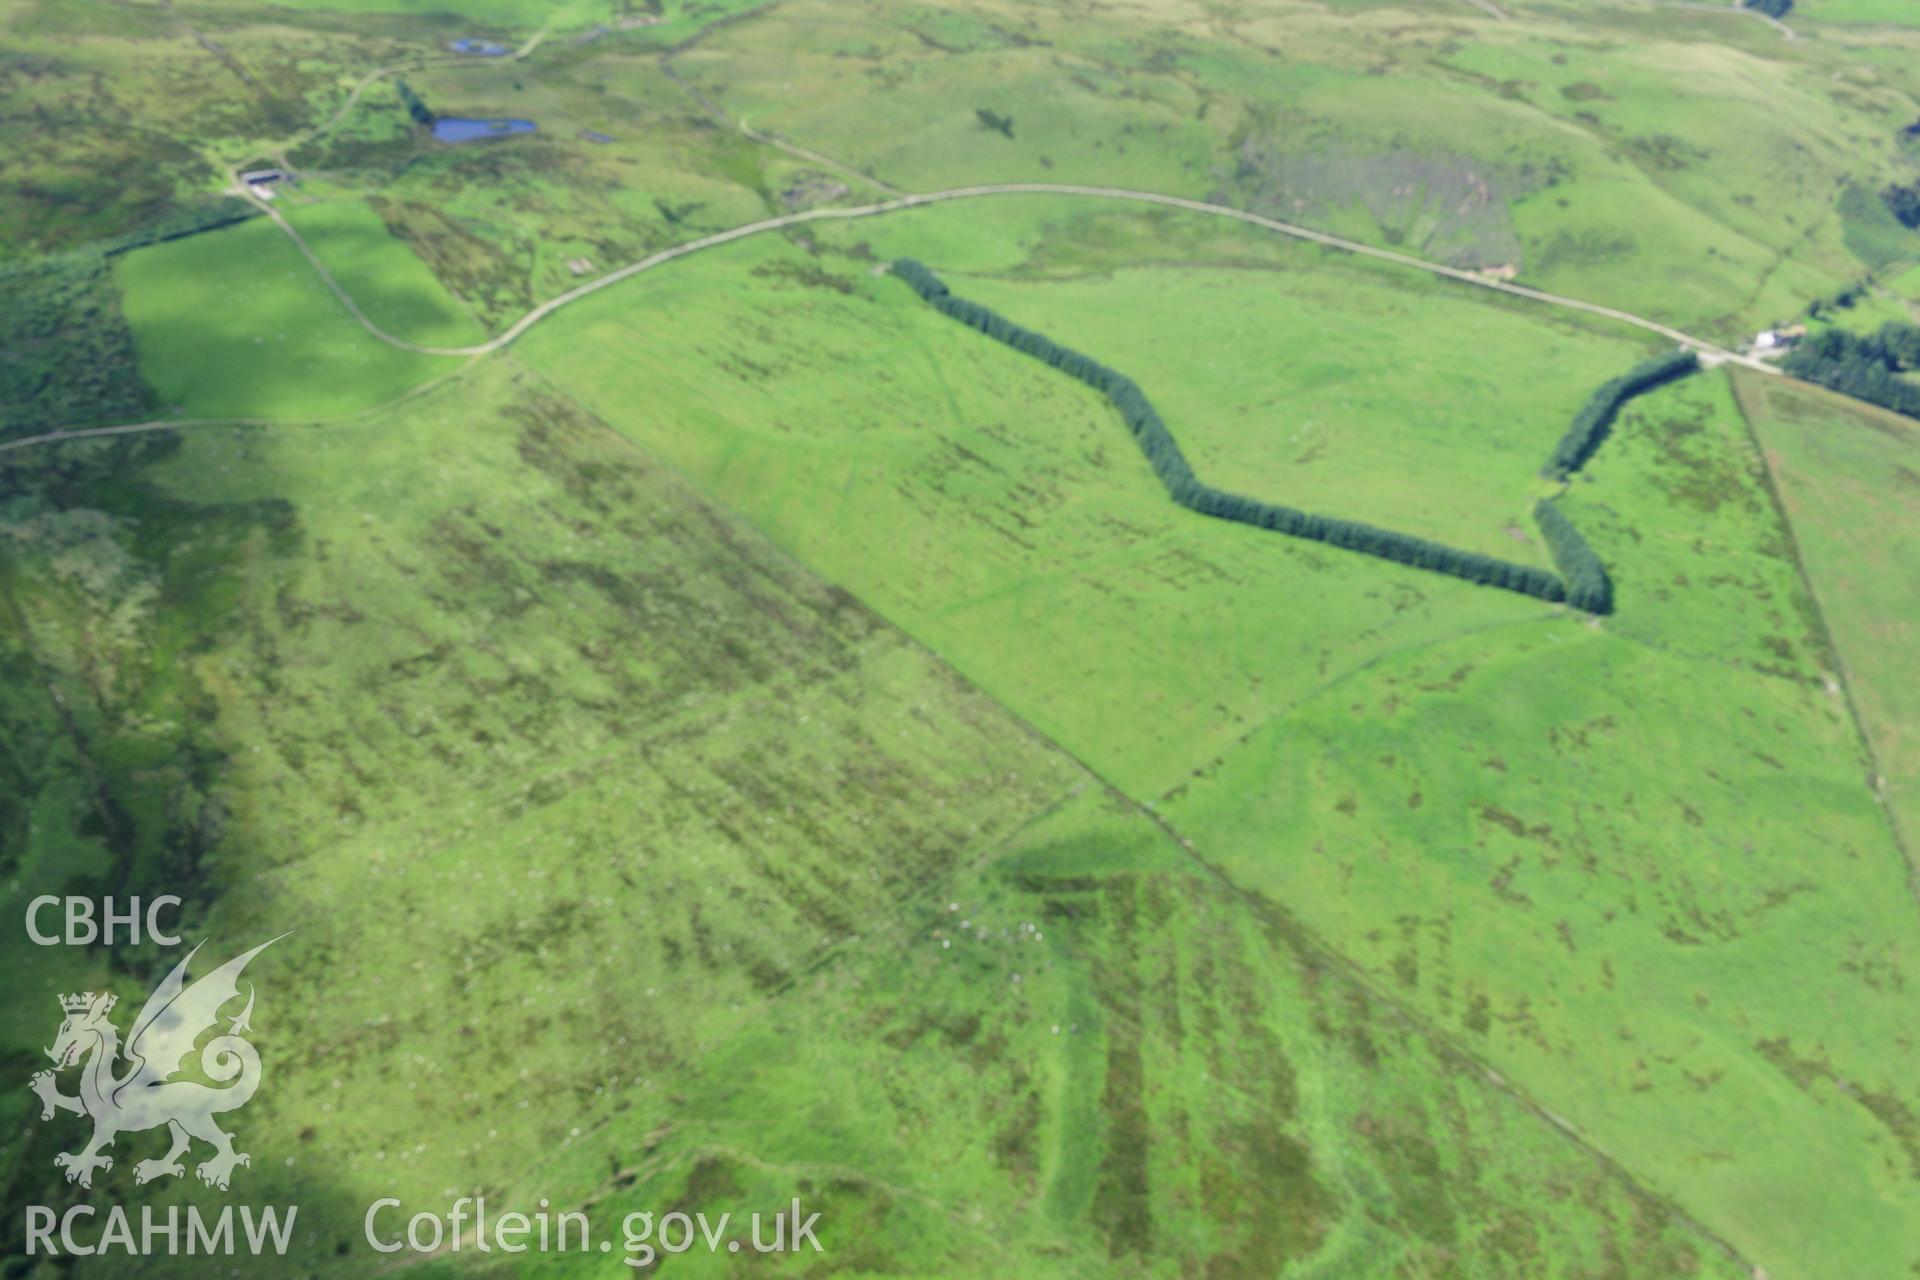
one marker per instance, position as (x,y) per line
(484,48)
(468,129)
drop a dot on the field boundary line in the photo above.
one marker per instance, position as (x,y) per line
(59,434)
(1293,706)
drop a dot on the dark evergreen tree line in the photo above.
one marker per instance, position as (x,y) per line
(1595,419)
(1587,584)
(416,106)
(1170,464)
(1873,367)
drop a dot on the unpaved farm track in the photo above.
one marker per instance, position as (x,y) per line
(547,308)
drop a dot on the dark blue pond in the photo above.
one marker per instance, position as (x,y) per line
(463,129)
(485,48)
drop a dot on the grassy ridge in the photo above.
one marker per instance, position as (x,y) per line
(1873,12)
(1174,1084)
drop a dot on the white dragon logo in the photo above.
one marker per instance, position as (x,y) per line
(150,1093)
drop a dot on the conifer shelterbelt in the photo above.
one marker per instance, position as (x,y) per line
(1595,419)
(1872,367)
(1582,582)
(1581,570)
(1582,573)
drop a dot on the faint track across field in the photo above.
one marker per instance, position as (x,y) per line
(773,140)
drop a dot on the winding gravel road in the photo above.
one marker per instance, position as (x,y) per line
(1712,351)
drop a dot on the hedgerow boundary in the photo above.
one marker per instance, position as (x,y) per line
(1582,581)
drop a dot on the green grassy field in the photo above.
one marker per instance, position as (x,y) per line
(1112,1033)
(400,742)
(1846,473)
(478,15)
(1606,908)
(234,323)
(1907,286)
(1675,503)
